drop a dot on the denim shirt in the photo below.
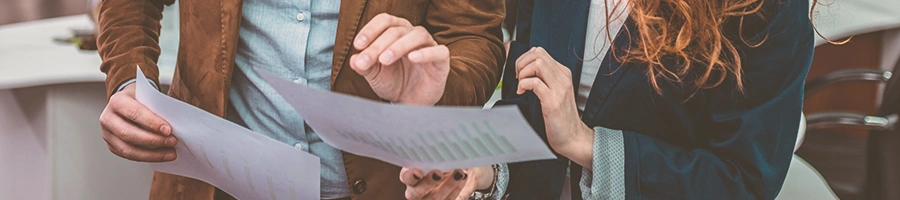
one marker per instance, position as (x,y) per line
(293,39)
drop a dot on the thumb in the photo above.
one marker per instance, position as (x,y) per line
(466,191)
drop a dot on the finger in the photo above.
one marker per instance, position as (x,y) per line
(439,55)
(447,188)
(410,177)
(533,69)
(534,84)
(376,27)
(426,185)
(136,112)
(561,74)
(135,135)
(551,73)
(527,58)
(135,153)
(417,37)
(367,71)
(457,192)
(370,54)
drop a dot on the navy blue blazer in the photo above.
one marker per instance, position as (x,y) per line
(720,144)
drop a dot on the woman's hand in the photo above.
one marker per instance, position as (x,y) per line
(537,71)
(455,185)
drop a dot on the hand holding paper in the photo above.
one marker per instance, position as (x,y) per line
(245,164)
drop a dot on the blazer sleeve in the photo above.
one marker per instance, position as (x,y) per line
(471,31)
(128,37)
(748,138)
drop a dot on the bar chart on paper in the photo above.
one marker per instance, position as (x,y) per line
(462,145)
(427,138)
(468,141)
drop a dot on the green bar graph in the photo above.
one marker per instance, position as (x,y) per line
(428,156)
(462,154)
(438,155)
(464,146)
(448,151)
(466,141)
(502,140)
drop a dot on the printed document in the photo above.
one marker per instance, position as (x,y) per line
(245,164)
(442,138)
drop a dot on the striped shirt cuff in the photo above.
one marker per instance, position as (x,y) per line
(129,82)
(606,179)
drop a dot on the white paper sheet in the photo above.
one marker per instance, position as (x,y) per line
(442,138)
(245,164)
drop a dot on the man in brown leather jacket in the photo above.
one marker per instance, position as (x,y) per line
(420,52)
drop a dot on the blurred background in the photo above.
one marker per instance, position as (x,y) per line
(14,11)
(52,92)
(51,96)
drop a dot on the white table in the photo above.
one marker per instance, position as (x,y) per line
(845,18)
(51,96)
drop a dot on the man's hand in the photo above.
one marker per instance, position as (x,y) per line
(134,132)
(402,62)
(456,185)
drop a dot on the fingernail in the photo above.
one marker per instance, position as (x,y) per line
(457,176)
(362,60)
(170,141)
(435,177)
(415,56)
(164,130)
(170,156)
(386,56)
(417,177)
(361,41)
(465,176)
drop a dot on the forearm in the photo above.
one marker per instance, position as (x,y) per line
(579,148)
(471,31)
(471,80)
(128,36)
(494,178)
(486,177)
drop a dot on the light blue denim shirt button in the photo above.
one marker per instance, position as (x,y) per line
(301,16)
(301,81)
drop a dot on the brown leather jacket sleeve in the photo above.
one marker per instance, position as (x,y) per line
(471,30)
(129,36)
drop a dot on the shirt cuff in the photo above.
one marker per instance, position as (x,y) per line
(606,179)
(129,82)
(502,181)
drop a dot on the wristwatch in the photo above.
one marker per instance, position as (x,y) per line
(487,193)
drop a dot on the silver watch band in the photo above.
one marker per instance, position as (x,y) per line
(478,195)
